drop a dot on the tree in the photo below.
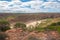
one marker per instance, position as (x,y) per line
(4,25)
(20,25)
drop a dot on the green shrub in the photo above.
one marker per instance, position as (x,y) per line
(50,28)
(20,25)
(53,26)
(58,23)
(3,36)
(39,29)
(4,25)
(58,28)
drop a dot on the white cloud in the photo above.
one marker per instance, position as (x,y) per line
(36,6)
(52,5)
(58,0)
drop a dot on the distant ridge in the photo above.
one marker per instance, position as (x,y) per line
(28,17)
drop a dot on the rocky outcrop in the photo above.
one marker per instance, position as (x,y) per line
(18,34)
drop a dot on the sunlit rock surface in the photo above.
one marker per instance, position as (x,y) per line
(18,34)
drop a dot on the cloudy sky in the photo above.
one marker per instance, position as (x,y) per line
(29,6)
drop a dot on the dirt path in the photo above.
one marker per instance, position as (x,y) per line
(30,23)
(33,23)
